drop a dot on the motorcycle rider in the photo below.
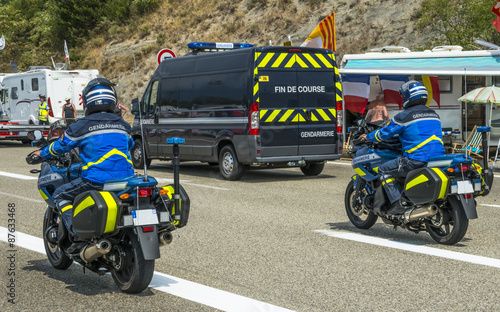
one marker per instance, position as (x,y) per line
(104,141)
(419,130)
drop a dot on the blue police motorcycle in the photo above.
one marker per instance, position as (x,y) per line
(439,197)
(120,229)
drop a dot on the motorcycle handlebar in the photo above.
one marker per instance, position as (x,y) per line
(32,159)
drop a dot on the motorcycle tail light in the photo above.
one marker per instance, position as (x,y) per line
(124,196)
(467,195)
(148,228)
(463,168)
(145,192)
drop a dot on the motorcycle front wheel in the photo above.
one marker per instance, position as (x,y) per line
(453,225)
(56,256)
(357,213)
(135,272)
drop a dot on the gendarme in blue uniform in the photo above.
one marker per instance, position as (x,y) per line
(104,142)
(419,130)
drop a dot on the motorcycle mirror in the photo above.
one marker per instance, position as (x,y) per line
(38,134)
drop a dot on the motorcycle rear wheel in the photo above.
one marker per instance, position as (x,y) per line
(137,272)
(359,215)
(56,256)
(454,228)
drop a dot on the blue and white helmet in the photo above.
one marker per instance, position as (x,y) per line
(99,96)
(413,93)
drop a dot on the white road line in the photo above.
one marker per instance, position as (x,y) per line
(179,287)
(338,163)
(186,182)
(22,197)
(492,262)
(489,205)
(18,176)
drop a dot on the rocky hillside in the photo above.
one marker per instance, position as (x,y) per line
(360,25)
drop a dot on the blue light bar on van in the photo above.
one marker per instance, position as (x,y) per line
(218,45)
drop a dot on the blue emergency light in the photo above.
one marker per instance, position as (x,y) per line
(218,45)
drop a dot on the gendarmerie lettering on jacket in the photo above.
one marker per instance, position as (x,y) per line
(97,124)
(414,114)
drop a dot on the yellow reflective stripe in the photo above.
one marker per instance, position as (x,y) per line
(333,111)
(286,115)
(290,62)
(87,202)
(298,117)
(432,138)
(313,116)
(67,208)
(263,112)
(323,114)
(324,60)
(273,115)
(444,180)
(112,211)
(420,179)
(266,60)
(301,61)
(112,152)
(50,149)
(255,88)
(45,197)
(387,181)
(280,59)
(375,169)
(312,60)
(377,137)
(359,171)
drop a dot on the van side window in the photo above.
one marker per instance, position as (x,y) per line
(14,93)
(186,93)
(4,96)
(150,97)
(169,94)
(34,84)
(219,91)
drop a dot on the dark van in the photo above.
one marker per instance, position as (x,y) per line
(265,107)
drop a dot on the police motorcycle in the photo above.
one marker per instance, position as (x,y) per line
(122,226)
(440,198)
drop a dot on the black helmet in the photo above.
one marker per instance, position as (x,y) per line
(99,96)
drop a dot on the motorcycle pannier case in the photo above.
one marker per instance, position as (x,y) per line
(426,185)
(179,216)
(95,213)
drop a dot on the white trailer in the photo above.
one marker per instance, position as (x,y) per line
(20,96)
(458,72)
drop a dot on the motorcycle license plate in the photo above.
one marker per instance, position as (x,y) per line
(465,187)
(144,217)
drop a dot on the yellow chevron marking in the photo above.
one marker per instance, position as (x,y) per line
(290,62)
(333,111)
(313,117)
(257,54)
(273,115)
(323,114)
(298,117)
(324,60)
(255,88)
(263,113)
(266,60)
(286,115)
(312,60)
(280,59)
(301,61)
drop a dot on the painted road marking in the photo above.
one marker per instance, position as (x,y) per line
(17,176)
(489,205)
(22,197)
(179,287)
(186,182)
(453,255)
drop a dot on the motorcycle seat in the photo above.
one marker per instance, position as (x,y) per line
(448,160)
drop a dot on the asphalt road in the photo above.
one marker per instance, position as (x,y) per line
(273,241)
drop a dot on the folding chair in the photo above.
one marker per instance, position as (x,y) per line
(472,146)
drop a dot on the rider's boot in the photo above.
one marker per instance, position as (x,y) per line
(379,201)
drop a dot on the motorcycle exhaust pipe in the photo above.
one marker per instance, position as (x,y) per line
(92,252)
(165,238)
(419,213)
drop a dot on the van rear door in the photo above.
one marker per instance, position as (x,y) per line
(296,94)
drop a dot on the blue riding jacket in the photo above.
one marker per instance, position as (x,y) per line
(104,142)
(419,130)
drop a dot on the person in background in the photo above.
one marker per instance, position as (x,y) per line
(69,112)
(43,111)
(377,111)
(118,110)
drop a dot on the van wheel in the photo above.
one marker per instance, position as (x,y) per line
(229,166)
(137,158)
(312,169)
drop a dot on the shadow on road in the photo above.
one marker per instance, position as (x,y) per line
(251,175)
(87,284)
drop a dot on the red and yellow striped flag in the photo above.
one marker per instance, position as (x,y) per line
(431,83)
(323,36)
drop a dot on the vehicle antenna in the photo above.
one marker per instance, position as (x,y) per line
(140,122)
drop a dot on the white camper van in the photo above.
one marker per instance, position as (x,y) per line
(458,72)
(20,96)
